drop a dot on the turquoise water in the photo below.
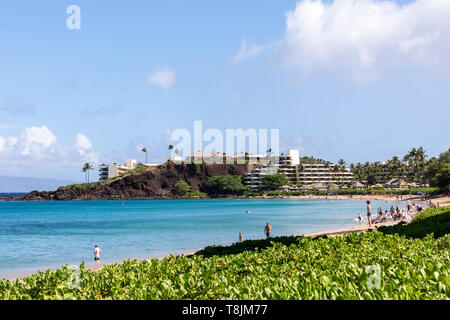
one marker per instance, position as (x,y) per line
(48,234)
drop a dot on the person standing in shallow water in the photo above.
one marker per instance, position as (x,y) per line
(97,252)
(369,212)
(241,237)
(267,230)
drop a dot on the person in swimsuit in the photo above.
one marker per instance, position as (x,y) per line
(97,252)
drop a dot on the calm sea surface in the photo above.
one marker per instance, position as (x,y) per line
(49,234)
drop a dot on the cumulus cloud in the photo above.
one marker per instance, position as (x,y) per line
(164,78)
(364,35)
(82,144)
(247,51)
(37,147)
(37,140)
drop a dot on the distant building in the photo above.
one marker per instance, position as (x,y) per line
(108,171)
(309,176)
(358,185)
(396,183)
(220,157)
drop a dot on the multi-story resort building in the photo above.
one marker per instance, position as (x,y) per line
(219,157)
(108,171)
(301,175)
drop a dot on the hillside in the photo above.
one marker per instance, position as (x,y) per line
(154,183)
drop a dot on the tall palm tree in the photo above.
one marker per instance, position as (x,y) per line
(170,149)
(144,149)
(87,166)
(85,173)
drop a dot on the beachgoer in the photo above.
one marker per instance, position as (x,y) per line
(241,238)
(267,230)
(369,212)
(97,253)
(359,217)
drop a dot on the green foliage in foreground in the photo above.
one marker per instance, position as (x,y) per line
(436,221)
(324,268)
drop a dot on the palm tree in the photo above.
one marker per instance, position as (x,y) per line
(85,173)
(170,148)
(87,166)
(144,149)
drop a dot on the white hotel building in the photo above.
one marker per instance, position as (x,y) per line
(306,175)
(108,171)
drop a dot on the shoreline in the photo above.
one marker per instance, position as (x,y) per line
(332,232)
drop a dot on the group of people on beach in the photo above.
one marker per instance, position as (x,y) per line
(393,214)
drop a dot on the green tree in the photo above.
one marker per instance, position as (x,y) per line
(144,149)
(182,187)
(223,185)
(438,171)
(274,181)
(86,168)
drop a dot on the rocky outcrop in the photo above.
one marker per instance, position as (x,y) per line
(156,183)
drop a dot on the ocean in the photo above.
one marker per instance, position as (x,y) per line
(48,234)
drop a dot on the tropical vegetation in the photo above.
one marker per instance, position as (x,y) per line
(225,185)
(274,181)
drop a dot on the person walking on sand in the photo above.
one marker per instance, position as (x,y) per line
(369,212)
(241,237)
(267,230)
(97,252)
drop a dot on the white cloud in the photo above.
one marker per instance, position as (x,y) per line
(247,51)
(36,140)
(7,143)
(364,35)
(82,144)
(164,78)
(36,150)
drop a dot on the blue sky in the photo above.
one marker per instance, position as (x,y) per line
(342,90)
